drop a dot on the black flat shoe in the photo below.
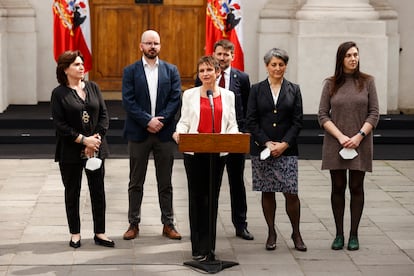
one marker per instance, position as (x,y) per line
(75,244)
(102,242)
(244,234)
(198,257)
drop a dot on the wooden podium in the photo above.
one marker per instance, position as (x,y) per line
(213,143)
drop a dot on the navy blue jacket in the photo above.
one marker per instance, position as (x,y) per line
(137,104)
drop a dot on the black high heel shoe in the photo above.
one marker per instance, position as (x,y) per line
(299,244)
(271,243)
(106,243)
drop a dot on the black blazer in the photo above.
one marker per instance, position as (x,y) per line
(137,104)
(280,123)
(240,86)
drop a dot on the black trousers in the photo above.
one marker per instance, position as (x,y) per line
(139,153)
(197,168)
(235,171)
(72,178)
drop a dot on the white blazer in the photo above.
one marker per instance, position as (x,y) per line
(190,112)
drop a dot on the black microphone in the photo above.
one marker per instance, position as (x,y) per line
(210,98)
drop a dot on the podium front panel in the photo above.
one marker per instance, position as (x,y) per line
(214,143)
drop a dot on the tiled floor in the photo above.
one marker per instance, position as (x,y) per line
(34,235)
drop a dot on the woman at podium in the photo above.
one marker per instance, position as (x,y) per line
(205,109)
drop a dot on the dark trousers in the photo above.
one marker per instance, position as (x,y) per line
(197,168)
(72,179)
(163,153)
(235,171)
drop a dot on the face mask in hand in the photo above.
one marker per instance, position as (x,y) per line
(93,163)
(346,153)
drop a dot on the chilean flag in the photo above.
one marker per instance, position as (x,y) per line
(223,21)
(71,29)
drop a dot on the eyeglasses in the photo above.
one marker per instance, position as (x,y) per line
(155,44)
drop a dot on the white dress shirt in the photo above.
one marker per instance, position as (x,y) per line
(226,78)
(151,73)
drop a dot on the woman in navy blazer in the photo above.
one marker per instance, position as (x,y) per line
(274,118)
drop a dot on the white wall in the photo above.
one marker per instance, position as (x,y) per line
(405,10)
(21,56)
(19,43)
(3,60)
(46,65)
(251,10)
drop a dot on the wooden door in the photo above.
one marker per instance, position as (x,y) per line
(117,26)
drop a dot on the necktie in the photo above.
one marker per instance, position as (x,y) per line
(222,82)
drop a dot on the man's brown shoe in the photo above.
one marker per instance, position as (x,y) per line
(170,232)
(132,232)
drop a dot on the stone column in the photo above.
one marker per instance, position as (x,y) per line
(384,9)
(321,25)
(275,30)
(20,46)
(337,9)
(3,60)
(390,17)
(280,9)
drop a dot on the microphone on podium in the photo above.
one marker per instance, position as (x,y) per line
(210,98)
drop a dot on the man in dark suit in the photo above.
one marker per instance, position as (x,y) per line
(238,82)
(151,91)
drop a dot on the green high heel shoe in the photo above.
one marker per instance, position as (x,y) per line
(353,243)
(338,243)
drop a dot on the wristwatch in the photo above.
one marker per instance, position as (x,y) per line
(362,133)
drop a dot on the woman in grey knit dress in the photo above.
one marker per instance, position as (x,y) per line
(348,112)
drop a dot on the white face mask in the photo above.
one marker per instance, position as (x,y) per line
(348,153)
(93,163)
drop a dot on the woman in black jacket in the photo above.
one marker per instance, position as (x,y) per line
(274,118)
(81,121)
